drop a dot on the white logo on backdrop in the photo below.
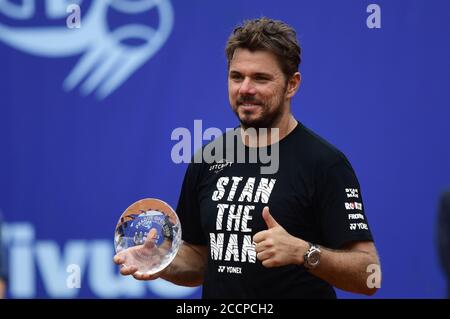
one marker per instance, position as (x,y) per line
(75,263)
(106,62)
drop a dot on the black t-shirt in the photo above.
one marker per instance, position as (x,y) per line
(314,195)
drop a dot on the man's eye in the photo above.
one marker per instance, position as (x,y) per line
(261,79)
(235,77)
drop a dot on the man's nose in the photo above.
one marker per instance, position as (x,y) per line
(247,87)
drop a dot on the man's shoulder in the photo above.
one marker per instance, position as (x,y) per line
(445,197)
(317,149)
(446,193)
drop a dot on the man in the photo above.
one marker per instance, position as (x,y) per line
(444,236)
(3,272)
(293,233)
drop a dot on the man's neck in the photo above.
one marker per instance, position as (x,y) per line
(262,137)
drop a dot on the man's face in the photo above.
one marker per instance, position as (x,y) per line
(257,88)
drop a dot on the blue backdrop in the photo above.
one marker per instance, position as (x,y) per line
(87,114)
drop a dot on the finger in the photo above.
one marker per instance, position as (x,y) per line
(138,276)
(268,218)
(118,260)
(269,263)
(141,276)
(148,277)
(120,257)
(264,245)
(150,241)
(128,270)
(260,236)
(264,255)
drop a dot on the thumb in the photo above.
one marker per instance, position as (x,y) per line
(150,241)
(270,221)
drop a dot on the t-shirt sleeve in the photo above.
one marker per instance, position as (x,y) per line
(340,206)
(188,208)
(443,231)
(3,267)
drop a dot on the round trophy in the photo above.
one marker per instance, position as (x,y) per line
(148,235)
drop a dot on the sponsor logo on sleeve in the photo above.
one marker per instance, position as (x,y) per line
(352,192)
(353,206)
(355,216)
(358,226)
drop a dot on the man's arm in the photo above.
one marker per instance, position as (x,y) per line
(2,289)
(187,268)
(345,269)
(443,231)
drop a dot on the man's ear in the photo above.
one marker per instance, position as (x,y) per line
(293,84)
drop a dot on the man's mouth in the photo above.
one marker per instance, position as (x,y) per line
(249,107)
(249,104)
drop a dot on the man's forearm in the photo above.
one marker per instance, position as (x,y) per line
(2,289)
(347,270)
(188,267)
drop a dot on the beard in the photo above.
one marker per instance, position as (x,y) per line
(269,112)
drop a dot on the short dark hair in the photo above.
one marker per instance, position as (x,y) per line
(270,35)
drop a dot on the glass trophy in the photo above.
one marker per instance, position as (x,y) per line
(148,235)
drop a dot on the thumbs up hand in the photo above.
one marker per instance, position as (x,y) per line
(270,221)
(275,247)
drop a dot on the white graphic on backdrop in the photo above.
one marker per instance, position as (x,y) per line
(106,62)
(32,260)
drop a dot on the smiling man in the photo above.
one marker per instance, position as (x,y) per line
(295,233)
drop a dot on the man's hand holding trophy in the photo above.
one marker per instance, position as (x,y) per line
(147,238)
